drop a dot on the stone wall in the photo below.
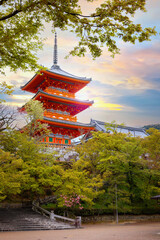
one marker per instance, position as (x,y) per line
(122,218)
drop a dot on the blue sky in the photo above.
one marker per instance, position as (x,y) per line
(125,89)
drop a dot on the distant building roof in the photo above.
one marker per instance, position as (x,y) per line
(101,126)
(156,197)
(136,132)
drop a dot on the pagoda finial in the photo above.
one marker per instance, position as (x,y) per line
(55,57)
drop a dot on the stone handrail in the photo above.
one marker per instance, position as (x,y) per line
(76,222)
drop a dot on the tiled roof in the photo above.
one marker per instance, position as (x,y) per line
(56,69)
(61,97)
(67,122)
(100,126)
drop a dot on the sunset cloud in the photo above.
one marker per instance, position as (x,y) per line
(99,103)
(13,104)
(21,97)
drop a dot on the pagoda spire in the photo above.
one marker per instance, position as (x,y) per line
(55,55)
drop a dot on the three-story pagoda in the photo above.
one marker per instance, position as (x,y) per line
(56,89)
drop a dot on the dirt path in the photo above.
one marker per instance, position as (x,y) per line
(141,231)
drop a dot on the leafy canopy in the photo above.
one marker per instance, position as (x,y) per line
(33,115)
(21,23)
(28,172)
(116,158)
(152,146)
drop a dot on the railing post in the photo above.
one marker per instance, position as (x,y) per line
(52,216)
(78,222)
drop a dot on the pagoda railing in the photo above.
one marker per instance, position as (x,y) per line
(59,92)
(57,115)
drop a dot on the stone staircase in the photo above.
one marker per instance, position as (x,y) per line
(24,219)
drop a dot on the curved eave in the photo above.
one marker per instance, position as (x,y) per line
(37,80)
(55,69)
(62,99)
(29,86)
(63,123)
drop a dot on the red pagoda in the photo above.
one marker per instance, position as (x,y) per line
(56,89)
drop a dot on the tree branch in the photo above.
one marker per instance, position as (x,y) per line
(84,16)
(15,12)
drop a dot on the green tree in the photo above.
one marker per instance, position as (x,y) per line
(152,148)
(28,172)
(34,114)
(22,21)
(37,172)
(116,158)
(151,145)
(77,182)
(10,175)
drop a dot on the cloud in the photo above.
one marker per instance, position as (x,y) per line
(99,103)
(13,104)
(146,102)
(21,97)
(16,79)
(133,69)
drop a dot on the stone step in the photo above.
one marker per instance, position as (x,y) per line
(24,219)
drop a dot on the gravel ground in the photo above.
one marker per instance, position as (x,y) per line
(137,231)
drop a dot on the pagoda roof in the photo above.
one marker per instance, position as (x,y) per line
(57,70)
(64,99)
(67,124)
(55,74)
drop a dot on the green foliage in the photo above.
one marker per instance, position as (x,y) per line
(152,145)
(156,126)
(34,111)
(35,128)
(22,21)
(116,158)
(5,89)
(78,182)
(38,172)
(11,175)
(109,164)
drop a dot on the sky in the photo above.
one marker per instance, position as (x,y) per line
(125,89)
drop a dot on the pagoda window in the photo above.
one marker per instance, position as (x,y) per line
(66,141)
(50,139)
